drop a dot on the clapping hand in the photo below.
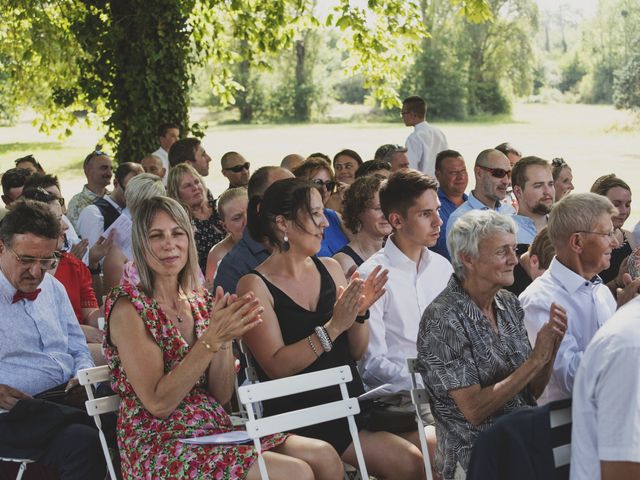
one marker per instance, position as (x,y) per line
(232,316)
(79,249)
(372,288)
(551,334)
(100,249)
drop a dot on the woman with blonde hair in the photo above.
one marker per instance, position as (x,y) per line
(185,185)
(168,346)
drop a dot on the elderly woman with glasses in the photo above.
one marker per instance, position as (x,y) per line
(319,172)
(472,344)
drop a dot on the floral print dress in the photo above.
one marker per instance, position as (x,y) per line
(149,446)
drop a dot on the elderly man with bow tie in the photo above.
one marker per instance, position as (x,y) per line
(41,350)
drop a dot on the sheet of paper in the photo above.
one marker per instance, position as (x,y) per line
(380,391)
(234,437)
(122,237)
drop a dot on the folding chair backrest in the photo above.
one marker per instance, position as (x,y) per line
(419,396)
(347,407)
(90,377)
(560,424)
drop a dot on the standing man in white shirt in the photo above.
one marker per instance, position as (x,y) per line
(168,134)
(581,231)
(409,201)
(426,140)
(606,402)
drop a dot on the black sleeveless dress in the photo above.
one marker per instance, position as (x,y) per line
(347,250)
(297,323)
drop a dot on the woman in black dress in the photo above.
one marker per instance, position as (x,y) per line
(307,299)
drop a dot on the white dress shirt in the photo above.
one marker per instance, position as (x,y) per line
(91,221)
(606,397)
(163,155)
(42,344)
(424,143)
(395,318)
(588,304)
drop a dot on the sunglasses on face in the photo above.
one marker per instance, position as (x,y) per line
(239,168)
(496,172)
(329,185)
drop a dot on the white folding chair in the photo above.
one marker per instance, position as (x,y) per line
(89,377)
(419,396)
(347,407)
(560,423)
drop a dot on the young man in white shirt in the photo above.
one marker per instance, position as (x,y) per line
(426,141)
(409,201)
(581,231)
(168,134)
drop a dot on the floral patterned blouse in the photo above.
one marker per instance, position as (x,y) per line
(149,446)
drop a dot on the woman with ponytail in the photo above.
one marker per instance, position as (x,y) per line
(314,319)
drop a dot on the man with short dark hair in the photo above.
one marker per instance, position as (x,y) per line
(533,187)
(42,349)
(249,252)
(236,169)
(451,173)
(13,181)
(98,169)
(416,276)
(493,176)
(191,151)
(29,162)
(512,153)
(426,140)
(99,216)
(168,134)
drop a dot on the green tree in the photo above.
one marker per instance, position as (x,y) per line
(129,63)
(627,83)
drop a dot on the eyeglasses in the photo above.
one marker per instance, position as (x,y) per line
(329,185)
(611,234)
(239,168)
(45,263)
(496,172)
(95,153)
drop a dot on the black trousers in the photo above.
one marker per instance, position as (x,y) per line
(63,438)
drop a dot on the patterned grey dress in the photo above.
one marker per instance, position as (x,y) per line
(458,348)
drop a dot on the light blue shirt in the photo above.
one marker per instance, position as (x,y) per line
(527,230)
(42,344)
(474,204)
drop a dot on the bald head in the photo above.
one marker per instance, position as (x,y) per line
(153,164)
(264,177)
(291,161)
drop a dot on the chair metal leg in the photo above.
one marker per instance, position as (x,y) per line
(21,470)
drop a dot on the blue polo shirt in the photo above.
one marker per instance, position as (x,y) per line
(474,204)
(447,207)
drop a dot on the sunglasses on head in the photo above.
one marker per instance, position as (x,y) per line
(330,185)
(558,162)
(239,168)
(95,153)
(496,172)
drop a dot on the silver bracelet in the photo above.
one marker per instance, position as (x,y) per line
(324,338)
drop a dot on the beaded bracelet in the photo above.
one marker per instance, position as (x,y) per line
(313,347)
(325,339)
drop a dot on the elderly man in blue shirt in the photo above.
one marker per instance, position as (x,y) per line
(42,348)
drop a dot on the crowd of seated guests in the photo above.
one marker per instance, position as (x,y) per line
(419,269)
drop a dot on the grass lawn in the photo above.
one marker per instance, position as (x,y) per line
(593,139)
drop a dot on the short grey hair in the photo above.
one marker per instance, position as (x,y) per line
(469,230)
(141,187)
(574,213)
(147,210)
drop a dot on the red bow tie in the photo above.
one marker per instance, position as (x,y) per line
(26,296)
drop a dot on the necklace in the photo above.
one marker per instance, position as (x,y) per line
(171,310)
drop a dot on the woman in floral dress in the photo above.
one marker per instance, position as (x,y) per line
(168,348)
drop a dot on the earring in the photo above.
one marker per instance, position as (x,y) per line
(285,243)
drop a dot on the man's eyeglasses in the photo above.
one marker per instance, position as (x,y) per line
(330,185)
(239,168)
(611,234)
(496,172)
(95,153)
(28,261)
